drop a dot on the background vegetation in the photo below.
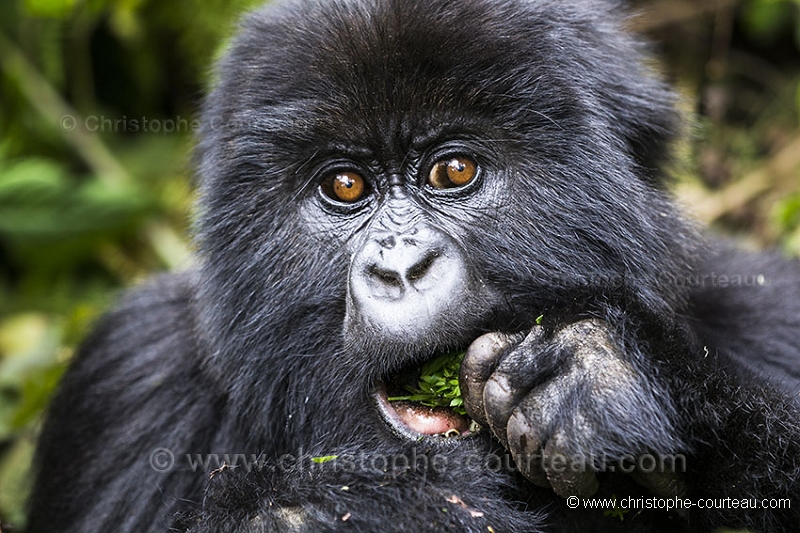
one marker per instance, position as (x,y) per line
(98,100)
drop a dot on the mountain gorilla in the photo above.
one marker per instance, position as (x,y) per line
(386,181)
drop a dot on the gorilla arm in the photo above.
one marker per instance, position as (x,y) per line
(133,400)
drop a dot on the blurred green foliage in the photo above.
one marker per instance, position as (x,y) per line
(98,105)
(764,20)
(98,102)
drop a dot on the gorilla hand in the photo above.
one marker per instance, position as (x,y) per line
(568,404)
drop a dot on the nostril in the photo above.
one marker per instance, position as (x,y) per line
(419,270)
(386,277)
(387,242)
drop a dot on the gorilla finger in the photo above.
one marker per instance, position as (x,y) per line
(499,401)
(569,475)
(517,374)
(480,360)
(525,443)
(532,362)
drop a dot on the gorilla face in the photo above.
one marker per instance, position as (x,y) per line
(386,183)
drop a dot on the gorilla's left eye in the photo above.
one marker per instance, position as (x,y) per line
(452,172)
(347,187)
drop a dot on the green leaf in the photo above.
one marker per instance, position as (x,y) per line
(324,459)
(398,398)
(438,385)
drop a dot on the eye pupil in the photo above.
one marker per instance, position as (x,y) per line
(345,187)
(453,172)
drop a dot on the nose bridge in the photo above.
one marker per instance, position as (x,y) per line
(407,275)
(400,252)
(402,239)
(398,218)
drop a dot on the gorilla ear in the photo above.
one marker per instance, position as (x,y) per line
(642,106)
(622,86)
(648,121)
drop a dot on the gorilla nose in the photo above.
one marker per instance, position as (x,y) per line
(401,268)
(406,283)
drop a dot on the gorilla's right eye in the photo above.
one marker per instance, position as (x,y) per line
(345,186)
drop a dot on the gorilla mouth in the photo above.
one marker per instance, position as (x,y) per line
(415,418)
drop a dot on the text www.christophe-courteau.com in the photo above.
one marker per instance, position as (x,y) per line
(621,506)
(164,460)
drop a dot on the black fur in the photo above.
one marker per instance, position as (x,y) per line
(262,350)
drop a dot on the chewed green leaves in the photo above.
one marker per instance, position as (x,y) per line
(438,385)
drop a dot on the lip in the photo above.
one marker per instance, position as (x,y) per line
(395,421)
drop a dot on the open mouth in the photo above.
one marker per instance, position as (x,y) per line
(426,400)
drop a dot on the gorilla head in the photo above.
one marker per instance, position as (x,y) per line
(385,181)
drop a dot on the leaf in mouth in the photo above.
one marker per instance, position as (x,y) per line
(437,385)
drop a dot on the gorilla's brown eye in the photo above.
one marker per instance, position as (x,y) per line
(453,172)
(345,187)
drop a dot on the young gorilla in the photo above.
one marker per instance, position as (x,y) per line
(385,181)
